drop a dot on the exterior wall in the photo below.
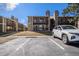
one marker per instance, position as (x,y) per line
(78,24)
(38,23)
(9,25)
(55,17)
(51,21)
(30,23)
(17,26)
(4,24)
(64,20)
(20,27)
(48,23)
(67,21)
(1,23)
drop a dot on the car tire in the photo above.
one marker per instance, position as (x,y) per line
(65,39)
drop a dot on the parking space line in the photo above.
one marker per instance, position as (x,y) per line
(21,46)
(57,44)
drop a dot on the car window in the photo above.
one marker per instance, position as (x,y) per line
(59,28)
(68,27)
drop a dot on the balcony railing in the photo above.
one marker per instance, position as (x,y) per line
(40,22)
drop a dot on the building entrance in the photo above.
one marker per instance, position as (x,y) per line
(52,24)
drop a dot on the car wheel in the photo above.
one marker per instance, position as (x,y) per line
(65,39)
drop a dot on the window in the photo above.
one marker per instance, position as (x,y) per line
(41,20)
(34,20)
(40,25)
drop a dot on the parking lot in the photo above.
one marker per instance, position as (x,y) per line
(38,46)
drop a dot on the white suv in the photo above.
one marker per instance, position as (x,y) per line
(67,33)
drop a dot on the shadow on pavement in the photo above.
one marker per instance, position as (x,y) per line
(6,34)
(74,44)
(46,33)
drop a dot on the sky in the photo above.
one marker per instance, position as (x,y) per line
(22,10)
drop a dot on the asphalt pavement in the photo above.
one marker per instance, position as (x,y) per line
(38,46)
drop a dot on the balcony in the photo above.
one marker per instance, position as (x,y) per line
(40,22)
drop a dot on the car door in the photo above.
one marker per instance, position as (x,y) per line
(59,31)
(55,31)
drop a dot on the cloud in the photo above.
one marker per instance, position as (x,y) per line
(11,6)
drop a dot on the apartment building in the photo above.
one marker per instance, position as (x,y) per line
(47,22)
(39,23)
(10,24)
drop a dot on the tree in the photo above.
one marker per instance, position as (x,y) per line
(73,8)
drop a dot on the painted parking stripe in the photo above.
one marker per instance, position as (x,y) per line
(57,44)
(21,46)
